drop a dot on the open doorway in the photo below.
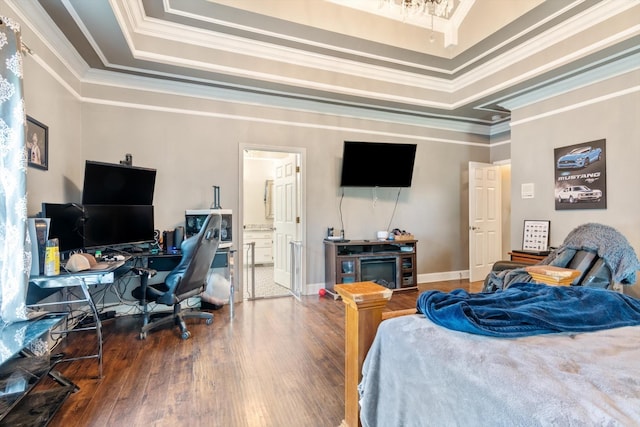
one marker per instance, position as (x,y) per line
(271,227)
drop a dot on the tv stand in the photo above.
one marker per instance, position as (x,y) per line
(390,263)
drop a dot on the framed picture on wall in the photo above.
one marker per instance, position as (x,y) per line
(535,236)
(37,144)
(581,176)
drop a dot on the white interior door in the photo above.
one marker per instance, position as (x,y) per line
(485,225)
(285,217)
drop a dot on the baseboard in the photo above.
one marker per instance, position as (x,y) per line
(314,288)
(442,276)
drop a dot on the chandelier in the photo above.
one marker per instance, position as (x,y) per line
(439,8)
(439,16)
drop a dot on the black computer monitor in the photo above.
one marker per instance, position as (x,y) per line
(67,224)
(117,225)
(115,184)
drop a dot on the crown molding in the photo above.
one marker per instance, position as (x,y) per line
(318,105)
(568,83)
(137,29)
(34,17)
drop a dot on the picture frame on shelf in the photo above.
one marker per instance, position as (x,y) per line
(535,235)
(37,141)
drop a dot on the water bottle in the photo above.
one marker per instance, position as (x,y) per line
(52,258)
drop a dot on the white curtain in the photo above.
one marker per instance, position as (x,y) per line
(15,248)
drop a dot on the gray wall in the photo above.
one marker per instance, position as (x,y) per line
(607,110)
(193,152)
(194,143)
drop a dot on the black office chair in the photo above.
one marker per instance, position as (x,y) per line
(187,280)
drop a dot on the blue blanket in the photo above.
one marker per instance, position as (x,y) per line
(530,309)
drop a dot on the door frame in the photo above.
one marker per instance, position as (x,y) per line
(302,208)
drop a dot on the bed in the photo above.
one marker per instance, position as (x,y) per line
(432,375)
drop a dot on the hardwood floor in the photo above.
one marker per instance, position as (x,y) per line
(278,362)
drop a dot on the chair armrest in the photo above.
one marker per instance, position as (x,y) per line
(147,293)
(142,271)
(507,265)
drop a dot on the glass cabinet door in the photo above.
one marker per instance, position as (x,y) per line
(347,270)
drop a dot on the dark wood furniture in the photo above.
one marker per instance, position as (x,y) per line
(387,262)
(527,257)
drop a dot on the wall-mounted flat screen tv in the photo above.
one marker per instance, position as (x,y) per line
(377,164)
(115,184)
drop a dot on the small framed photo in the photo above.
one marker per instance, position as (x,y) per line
(536,235)
(37,144)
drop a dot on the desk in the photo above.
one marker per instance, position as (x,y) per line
(80,280)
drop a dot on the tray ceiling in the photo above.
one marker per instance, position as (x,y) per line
(334,56)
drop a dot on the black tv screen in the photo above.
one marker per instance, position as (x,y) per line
(115,184)
(66,224)
(117,225)
(377,164)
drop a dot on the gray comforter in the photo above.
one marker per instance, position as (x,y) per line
(421,374)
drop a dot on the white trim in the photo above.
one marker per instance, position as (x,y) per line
(581,80)
(167,30)
(162,29)
(279,122)
(498,144)
(577,105)
(496,66)
(84,29)
(84,75)
(313,288)
(293,53)
(442,276)
(50,35)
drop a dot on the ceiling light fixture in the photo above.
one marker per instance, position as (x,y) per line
(439,8)
(436,16)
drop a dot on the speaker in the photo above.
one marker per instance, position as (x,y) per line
(167,239)
(39,234)
(178,236)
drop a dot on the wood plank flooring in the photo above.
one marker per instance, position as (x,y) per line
(278,362)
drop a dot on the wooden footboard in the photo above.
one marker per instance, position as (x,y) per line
(364,302)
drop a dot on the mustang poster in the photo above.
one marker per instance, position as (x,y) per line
(581,176)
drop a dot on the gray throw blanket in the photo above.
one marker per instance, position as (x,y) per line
(606,241)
